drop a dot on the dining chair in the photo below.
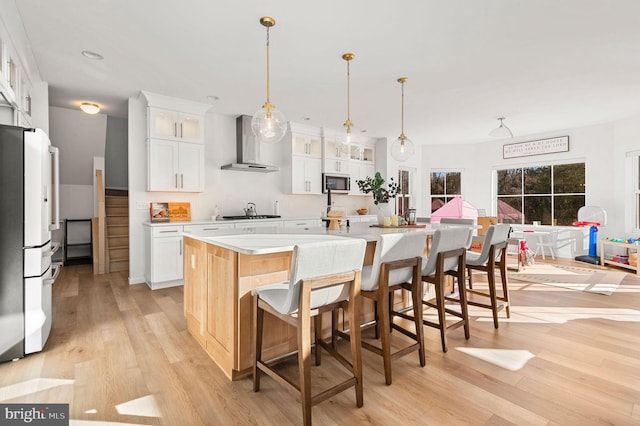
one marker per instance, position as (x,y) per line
(493,254)
(553,243)
(397,264)
(447,258)
(325,276)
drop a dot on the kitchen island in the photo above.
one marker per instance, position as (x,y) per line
(220,272)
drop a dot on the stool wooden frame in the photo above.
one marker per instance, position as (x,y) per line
(438,280)
(496,250)
(302,321)
(383,322)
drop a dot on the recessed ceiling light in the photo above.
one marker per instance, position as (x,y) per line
(90,108)
(364,130)
(306,118)
(92,55)
(213,98)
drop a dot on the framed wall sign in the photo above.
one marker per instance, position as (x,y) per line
(541,146)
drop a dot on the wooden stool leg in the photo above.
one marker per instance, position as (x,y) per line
(356,349)
(464,308)
(317,326)
(505,288)
(376,326)
(470,274)
(491,277)
(383,306)
(439,287)
(304,363)
(416,296)
(258,320)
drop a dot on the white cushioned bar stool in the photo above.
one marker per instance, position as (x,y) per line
(492,256)
(397,263)
(447,257)
(325,276)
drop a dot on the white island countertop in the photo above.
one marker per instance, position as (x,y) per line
(276,240)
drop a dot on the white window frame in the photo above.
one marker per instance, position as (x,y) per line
(428,185)
(632,200)
(412,187)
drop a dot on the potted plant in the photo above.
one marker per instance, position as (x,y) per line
(381,195)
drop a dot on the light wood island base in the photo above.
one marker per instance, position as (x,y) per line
(217,303)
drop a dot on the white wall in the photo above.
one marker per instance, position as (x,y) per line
(79,137)
(601,147)
(229,190)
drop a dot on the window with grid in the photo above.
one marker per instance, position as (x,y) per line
(404,198)
(444,186)
(551,194)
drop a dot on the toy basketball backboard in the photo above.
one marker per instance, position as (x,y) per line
(592,214)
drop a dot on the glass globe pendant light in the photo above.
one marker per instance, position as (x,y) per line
(348,124)
(502,131)
(268,124)
(402,148)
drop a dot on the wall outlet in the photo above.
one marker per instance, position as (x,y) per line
(141,205)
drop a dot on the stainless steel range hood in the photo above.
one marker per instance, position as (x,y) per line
(248,149)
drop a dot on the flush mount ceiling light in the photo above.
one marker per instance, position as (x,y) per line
(402,148)
(348,124)
(92,55)
(90,108)
(502,131)
(268,124)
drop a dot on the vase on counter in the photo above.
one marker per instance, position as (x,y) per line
(384,210)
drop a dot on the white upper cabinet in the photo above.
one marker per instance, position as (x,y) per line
(306,159)
(175,125)
(362,156)
(307,145)
(9,73)
(362,150)
(336,154)
(175,144)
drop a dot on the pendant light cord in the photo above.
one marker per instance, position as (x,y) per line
(268,88)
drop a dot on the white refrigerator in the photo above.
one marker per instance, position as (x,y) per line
(29,209)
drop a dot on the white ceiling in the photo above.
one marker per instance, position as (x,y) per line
(544,64)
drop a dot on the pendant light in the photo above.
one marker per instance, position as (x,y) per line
(348,124)
(402,148)
(501,131)
(268,124)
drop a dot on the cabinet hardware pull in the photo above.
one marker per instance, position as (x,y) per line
(166,232)
(181,132)
(175,130)
(176,180)
(181,180)
(180,248)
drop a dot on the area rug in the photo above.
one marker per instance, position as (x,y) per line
(571,277)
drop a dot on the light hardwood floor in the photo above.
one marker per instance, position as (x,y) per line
(121,354)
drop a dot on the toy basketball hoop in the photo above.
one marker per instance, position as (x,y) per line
(593,217)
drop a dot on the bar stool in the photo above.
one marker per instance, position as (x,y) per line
(397,263)
(493,254)
(447,257)
(325,276)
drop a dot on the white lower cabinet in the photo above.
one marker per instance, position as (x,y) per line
(304,223)
(209,228)
(252,225)
(164,256)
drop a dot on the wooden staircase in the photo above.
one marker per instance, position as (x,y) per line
(117,215)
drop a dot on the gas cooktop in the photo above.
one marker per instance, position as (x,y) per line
(260,216)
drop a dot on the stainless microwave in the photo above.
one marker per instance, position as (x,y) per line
(337,182)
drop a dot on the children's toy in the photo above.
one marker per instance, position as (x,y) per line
(592,216)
